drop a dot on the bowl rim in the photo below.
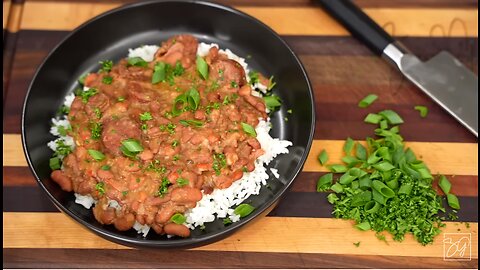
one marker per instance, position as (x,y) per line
(186,242)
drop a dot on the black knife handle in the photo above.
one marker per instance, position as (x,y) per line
(358,23)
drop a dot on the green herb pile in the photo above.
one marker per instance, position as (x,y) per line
(384,187)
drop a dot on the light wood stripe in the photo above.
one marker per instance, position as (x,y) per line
(284,20)
(6,10)
(14,16)
(442,158)
(326,235)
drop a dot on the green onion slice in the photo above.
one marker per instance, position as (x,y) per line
(249,129)
(195,123)
(373,118)
(55,163)
(392,117)
(423,110)
(158,73)
(243,210)
(367,101)
(137,61)
(323,157)
(324,182)
(444,184)
(202,68)
(97,155)
(178,218)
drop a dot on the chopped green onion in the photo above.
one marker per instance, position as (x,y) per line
(338,168)
(202,68)
(324,182)
(361,152)
(323,157)
(337,188)
(444,184)
(131,147)
(272,102)
(249,129)
(195,123)
(271,84)
(348,146)
(137,61)
(243,210)
(158,73)
(367,101)
(178,218)
(373,118)
(372,207)
(453,201)
(55,163)
(383,166)
(364,226)
(423,110)
(383,189)
(193,98)
(254,77)
(227,221)
(392,117)
(383,124)
(182,182)
(97,155)
(105,167)
(332,198)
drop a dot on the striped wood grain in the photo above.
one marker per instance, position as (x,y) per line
(301,20)
(335,237)
(442,158)
(170,259)
(462,185)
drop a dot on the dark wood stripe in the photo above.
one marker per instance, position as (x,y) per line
(299,3)
(293,204)
(9,42)
(145,258)
(334,120)
(462,185)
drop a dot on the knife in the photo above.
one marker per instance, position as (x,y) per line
(443,78)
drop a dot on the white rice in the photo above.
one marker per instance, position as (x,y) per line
(146,52)
(275,172)
(220,203)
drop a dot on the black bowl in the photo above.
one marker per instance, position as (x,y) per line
(109,36)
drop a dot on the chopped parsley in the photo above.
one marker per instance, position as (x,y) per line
(106,66)
(96,130)
(219,162)
(86,95)
(163,188)
(146,116)
(107,80)
(100,187)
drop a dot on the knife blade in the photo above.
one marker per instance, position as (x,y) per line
(443,78)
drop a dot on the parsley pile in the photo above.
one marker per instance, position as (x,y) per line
(384,187)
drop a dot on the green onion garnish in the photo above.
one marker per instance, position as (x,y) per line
(324,182)
(178,218)
(367,101)
(131,147)
(392,117)
(373,118)
(444,184)
(55,163)
(272,102)
(158,73)
(195,123)
(106,65)
(423,110)
(243,210)
(137,61)
(182,182)
(97,155)
(202,68)
(249,129)
(107,80)
(453,201)
(323,157)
